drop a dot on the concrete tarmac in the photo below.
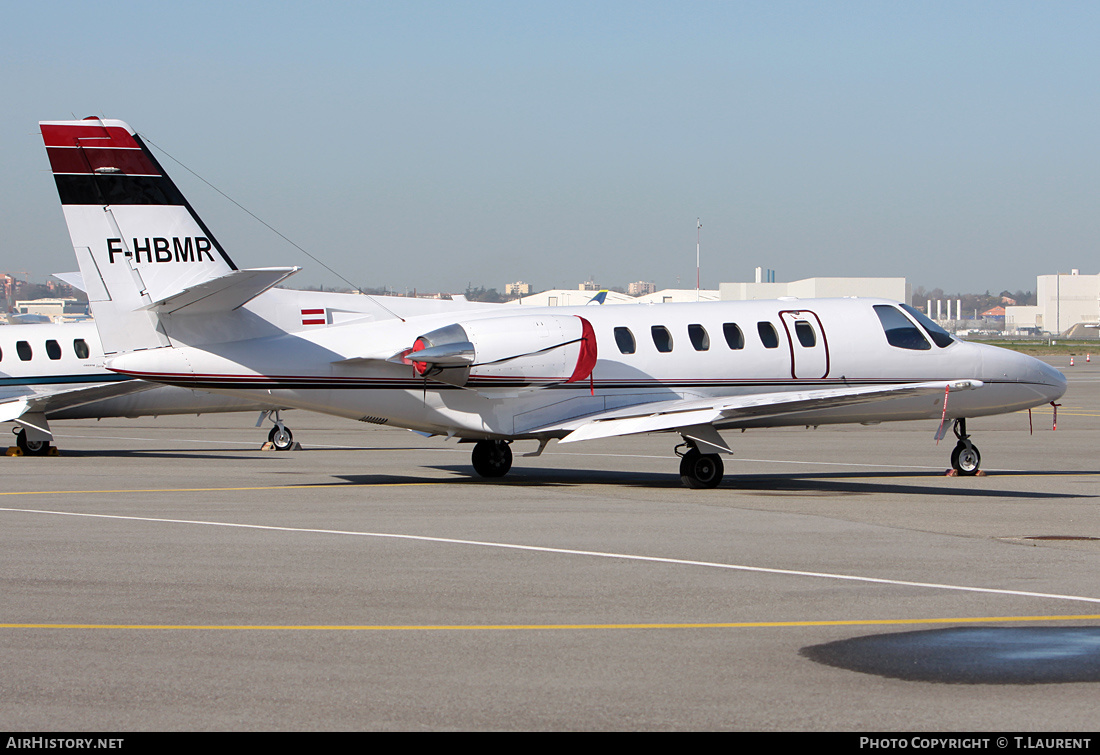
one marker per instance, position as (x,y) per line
(166,574)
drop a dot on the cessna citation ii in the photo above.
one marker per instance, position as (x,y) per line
(173,308)
(55,372)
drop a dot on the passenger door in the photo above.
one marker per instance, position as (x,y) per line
(809,347)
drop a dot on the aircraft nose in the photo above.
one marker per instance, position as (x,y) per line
(1053,380)
(1043,382)
(1046,380)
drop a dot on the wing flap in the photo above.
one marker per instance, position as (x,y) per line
(690,413)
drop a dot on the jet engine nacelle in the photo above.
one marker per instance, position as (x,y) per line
(507,351)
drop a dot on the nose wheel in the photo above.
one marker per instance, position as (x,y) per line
(281,437)
(965,459)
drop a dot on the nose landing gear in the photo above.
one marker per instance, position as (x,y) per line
(280,437)
(965,459)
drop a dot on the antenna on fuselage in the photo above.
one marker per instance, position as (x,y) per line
(698,237)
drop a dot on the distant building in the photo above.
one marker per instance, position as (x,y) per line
(9,287)
(997,313)
(641,288)
(567,297)
(895,289)
(519,288)
(1062,301)
(677,295)
(55,309)
(588,286)
(564,297)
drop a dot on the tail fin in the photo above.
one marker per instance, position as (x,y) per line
(136,238)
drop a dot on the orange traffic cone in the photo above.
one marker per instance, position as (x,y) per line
(1071,361)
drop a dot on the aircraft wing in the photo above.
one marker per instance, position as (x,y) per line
(66,398)
(695,413)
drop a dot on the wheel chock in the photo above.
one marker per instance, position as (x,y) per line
(17,451)
(269,446)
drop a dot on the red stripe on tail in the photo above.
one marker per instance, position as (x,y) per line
(91,135)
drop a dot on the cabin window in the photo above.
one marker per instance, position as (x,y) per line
(53,349)
(80,346)
(805,333)
(1,355)
(768,336)
(624,339)
(662,339)
(940,337)
(734,338)
(699,338)
(900,331)
(23,349)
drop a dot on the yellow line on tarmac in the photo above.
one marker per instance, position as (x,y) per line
(1067,414)
(529,627)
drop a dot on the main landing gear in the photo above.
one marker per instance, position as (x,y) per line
(965,459)
(492,458)
(697,469)
(30,447)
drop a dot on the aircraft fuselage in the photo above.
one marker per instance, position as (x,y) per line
(679,352)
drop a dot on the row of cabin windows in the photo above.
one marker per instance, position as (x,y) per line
(53,350)
(700,339)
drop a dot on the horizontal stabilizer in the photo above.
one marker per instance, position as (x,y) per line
(224,293)
(687,413)
(76,280)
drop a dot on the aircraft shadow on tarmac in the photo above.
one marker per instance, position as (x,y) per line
(144,454)
(971,655)
(840,483)
(850,483)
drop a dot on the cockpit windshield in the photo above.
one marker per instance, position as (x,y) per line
(939,336)
(900,332)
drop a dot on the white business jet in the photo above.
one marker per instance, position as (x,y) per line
(54,371)
(173,308)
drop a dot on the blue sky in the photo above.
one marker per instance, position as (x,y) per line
(433,144)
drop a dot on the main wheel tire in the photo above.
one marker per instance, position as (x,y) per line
(965,459)
(698,470)
(282,438)
(492,458)
(31,447)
